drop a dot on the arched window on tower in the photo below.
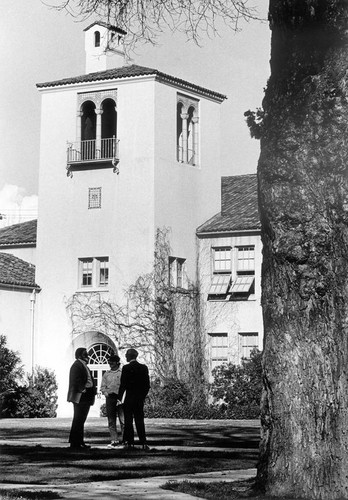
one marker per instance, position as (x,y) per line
(88,130)
(108,128)
(179,136)
(187,129)
(96,39)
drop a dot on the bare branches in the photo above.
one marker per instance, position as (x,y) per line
(144,20)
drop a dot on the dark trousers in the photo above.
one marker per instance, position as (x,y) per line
(77,427)
(134,408)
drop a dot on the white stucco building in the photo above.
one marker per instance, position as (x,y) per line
(125,150)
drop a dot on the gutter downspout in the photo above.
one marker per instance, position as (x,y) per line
(32,324)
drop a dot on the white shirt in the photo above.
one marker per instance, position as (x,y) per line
(111,382)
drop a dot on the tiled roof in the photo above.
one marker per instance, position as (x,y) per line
(132,71)
(239,206)
(23,233)
(106,25)
(16,272)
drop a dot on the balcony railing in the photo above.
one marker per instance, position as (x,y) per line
(92,151)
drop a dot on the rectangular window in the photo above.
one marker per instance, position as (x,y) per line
(93,272)
(246,260)
(218,349)
(176,272)
(248,342)
(222,260)
(244,282)
(180,273)
(103,271)
(94,197)
(87,272)
(222,268)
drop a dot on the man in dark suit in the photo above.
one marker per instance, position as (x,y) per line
(82,391)
(135,383)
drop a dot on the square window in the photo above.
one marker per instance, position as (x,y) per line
(94,197)
(222,260)
(94,272)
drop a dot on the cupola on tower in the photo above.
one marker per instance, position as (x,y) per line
(104,47)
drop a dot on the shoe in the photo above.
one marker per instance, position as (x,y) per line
(113,445)
(145,447)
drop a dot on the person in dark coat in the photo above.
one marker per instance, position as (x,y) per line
(135,382)
(82,391)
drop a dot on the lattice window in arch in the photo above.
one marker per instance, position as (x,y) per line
(99,354)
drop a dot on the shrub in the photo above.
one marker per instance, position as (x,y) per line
(35,396)
(11,373)
(237,388)
(170,398)
(37,399)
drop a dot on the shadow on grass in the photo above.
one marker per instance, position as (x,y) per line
(45,465)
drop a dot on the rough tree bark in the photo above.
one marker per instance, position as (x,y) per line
(303,189)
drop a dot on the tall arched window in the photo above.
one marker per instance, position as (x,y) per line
(108,127)
(96,39)
(179,142)
(187,129)
(88,130)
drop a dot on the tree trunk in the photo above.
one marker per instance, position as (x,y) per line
(303,189)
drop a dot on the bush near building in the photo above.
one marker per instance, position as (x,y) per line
(235,391)
(238,387)
(33,396)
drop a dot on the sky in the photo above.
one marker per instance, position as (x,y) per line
(40,44)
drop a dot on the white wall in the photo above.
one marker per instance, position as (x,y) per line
(15,323)
(185,195)
(151,190)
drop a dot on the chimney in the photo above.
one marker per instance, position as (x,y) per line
(104,47)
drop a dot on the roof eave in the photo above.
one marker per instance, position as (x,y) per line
(219,232)
(18,286)
(155,75)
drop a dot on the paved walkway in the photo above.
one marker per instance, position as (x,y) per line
(136,489)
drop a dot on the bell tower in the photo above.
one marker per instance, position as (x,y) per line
(104,47)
